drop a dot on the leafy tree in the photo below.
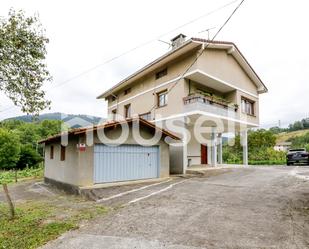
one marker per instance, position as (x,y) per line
(9,149)
(276,130)
(11,124)
(28,157)
(49,127)
(300,141)
(28,133)
(260,147)
(261,139)
(22,67)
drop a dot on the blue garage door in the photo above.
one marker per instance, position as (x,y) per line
(125,162)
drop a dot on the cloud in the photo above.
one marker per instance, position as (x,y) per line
(84,34)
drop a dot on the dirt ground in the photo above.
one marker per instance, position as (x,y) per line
(256,207)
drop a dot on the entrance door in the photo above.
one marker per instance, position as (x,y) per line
(204,156)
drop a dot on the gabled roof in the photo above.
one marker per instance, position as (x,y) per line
(190,45)
(110,124)
(240,58)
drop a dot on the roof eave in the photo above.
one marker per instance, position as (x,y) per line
(139,72)
(78,131)
(229,46)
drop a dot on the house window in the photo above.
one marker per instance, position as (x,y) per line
(127,111)
(162,98)
(146,116)
(113,98)
(51,155)
(247,106)
(62,154)
(127,91)
(114,114)
(161,73)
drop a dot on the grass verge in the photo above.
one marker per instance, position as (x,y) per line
(36,223)
(9,175)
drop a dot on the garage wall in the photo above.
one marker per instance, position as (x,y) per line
(163,147)
(62,171)
(78,167)
(176,159)
(85,166)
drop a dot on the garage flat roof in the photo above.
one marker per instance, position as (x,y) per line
(110,124)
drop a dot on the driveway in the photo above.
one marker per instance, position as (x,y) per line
(256,207)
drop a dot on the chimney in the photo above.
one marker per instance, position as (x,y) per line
(178,41)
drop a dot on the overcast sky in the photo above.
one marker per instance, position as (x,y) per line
(273,36)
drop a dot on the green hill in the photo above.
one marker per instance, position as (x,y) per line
(284,136)
(82,119)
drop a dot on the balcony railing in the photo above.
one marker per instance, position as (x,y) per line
(210,104)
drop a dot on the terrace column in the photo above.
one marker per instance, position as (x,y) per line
(220,161)
(185,153)
(213,147)
(244,136)
(209,158)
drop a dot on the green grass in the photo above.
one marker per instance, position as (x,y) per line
(38,222)
(284,136)
(9,175)
(267,162)
(261,162)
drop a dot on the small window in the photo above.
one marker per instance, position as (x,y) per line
(113,98)
(62,154)
(146,116)
(247,106)
(161,73)
(114,114)
(127,91)
(127,111)
(51,155)
(162,98)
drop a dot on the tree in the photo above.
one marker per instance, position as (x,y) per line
(28,133)
(28,157)
(9,155)
(261,139)
(260,146)
(277,130)
(9,149)
(49,128)
(22,74)
(22,67)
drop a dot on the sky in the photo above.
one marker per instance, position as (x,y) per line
(273,36)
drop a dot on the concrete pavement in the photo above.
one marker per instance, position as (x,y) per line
(255,207)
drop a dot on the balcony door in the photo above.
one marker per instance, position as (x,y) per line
(204,156)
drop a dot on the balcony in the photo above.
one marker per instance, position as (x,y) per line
(210,104)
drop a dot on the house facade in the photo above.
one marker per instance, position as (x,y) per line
(205,87)
(283,146)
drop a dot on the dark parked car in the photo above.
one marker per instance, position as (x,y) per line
(297,156)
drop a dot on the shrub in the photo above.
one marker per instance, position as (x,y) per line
(28,158)
(9,149)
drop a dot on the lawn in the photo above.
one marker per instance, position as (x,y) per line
(30,173)
(284,136)
(39,222)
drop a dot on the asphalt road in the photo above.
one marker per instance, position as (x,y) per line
(261,207)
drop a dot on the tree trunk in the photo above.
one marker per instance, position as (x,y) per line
(9,201)
(15,171)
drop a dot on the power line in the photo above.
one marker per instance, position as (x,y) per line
(143,44)
(8,108)
(135,48)
(202,51)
